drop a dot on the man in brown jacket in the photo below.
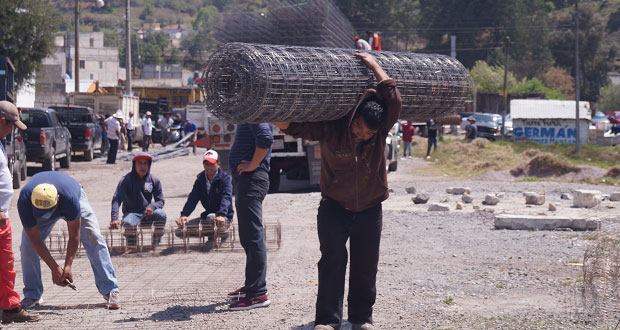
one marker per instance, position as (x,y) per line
(353,185)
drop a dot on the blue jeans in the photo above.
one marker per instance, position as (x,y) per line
(145,142)
(94,244)
(250,191)
(431,142)
(113,151)
(407,147)
(158,218)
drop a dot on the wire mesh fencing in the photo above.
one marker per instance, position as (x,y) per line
(316,23)
(250,83)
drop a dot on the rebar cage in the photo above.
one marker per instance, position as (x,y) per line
(252,83)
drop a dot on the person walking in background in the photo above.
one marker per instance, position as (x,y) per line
(147,130)
(129,129)
(472,129)
(374,40)
(361,44)
(249,163)
(12,311)
(190,128)
(408,133)
(431,130)
(164,124)
(113,131)
(45,199)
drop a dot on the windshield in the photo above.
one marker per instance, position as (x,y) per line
(35,119)
(74,115)
(491,119)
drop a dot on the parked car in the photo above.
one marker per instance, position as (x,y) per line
(489,125)
(16,154)
(600,121)
(86,133)
(508,125)
(46,138)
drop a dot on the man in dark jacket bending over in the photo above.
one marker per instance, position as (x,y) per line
(143,201)
(213,188)
(353,185)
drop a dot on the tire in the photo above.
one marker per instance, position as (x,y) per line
(89,154)
(23,171)
(16,181)
(274,179)
(66,161)
(50,163)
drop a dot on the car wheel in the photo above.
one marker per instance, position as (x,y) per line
(50,163)
(23,171)
(89,154)
(16,181)
(66,162)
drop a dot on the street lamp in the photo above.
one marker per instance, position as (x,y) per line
(76,74)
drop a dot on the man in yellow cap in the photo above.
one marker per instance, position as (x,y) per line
(45,199)
(9,299)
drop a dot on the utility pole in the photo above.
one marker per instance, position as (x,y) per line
(453,46)
(506,47)
(577,83)
(127,49)
(76,73)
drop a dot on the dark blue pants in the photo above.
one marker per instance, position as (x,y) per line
(335,226)
(146,142)
(431,142)
(129,140)
(112,151)
(250,191)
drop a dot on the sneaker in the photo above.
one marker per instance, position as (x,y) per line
(365,326)
(237,294)
(323,327)
(112,300)
(18,314)
(250,303)
(428,157)
(29,303)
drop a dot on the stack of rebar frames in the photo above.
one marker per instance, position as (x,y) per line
(251,83)
(316,23)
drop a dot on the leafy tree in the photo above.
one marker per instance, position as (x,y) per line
(490,79)
(147,14)
(610,98)
(559,79)
(207,19)
(534,85)
(26,34)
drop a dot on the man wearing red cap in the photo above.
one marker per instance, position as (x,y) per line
(141,195)
(213,188)
(361,44)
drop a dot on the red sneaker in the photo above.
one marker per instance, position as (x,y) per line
(237,294)
(250,303)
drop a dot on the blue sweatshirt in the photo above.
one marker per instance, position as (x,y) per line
(215,196)
(136,194)
(248,137)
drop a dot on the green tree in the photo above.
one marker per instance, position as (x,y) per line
(534,85)
(610,98)
(490,79)
(207,19)
(26,34)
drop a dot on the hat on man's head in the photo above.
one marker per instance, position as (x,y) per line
(148,113)
(210,156)
(118,114)
(356,39)
(142,155)
(44,198)
(9,111)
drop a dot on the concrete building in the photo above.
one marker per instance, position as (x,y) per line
(97,62)
(549,121)
(163,71)
(614,77)
(175,32)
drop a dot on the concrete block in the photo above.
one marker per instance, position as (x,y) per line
(458,191)
(552,207)
(410,190)
(525,222)
(490,200)
(438,208)
(533,198)
(467,198)
(587,198)
(614,197)
(420,199)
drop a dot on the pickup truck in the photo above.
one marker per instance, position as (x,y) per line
(86,133)
(46,138)
(16,154)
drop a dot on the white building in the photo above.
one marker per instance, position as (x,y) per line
(96,61)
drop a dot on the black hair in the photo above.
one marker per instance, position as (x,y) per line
(373,112)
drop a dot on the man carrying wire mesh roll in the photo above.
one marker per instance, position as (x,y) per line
(353,185)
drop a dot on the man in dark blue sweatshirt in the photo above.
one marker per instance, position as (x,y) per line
(213,188)
(249,163)
(143,201)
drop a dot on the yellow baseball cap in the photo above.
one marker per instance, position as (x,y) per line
(44,199)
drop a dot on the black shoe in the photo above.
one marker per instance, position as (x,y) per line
(18,315)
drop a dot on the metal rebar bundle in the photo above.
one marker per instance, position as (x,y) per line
(250,83)
(309,23)
(601,279)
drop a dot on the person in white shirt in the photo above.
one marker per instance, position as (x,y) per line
(113,131)
(164,124)
(9,304)
(129,129)
(361,44)
(147,130)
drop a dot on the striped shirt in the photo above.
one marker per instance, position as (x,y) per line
(248,137)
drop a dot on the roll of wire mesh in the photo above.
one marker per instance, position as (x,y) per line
(250,83)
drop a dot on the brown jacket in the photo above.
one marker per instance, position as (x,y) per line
(353,175)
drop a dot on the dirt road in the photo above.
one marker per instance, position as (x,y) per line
(438,270)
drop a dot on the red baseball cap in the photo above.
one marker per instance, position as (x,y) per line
(210,156)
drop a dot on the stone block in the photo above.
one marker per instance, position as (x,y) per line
(533,198)
(539,222)
(467,198)
(490,200)
(420,199)
(410,190)
(458,191)
(552,207)
(587,198)
(438,208)
(614,197)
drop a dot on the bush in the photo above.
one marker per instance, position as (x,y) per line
(534,85)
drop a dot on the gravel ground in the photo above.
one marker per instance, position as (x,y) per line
(438,270)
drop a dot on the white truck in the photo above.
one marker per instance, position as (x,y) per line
(108,104)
